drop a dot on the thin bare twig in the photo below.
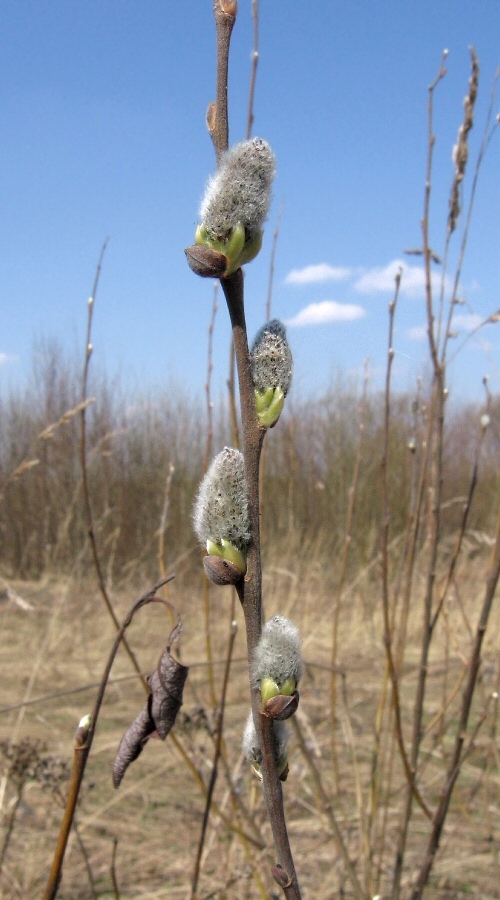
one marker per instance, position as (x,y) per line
(114,878)
(255,60)
(270,283)
(217,116)
(216,757)
(85,481)
(428,255)
(206,461)
(456,758)
(83,743)
(343,573)
(325,805)
(409,772)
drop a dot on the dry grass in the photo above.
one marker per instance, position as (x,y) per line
(155,817)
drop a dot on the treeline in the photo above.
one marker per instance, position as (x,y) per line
(144,456)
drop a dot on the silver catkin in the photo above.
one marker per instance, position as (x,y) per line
(271,358)
(220,510)
(240,191)
(277,655)
(250,745)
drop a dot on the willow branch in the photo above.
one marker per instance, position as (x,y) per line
(456,758)
(85,480)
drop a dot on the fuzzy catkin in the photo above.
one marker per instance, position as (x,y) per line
(240,191)
(271,358)
(250,745)
(221,507)
(277,655)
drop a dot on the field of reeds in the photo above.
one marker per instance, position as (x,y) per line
(322,514)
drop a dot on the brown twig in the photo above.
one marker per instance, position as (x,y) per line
(216,758)
(85,481)
(388,637)
(233,415)
(456,758)
(164,521)
(250,588)
(206,461)
(460,535)
(83,743)
(489,129)
(325,805)
(10,824)
(255,61)
(425,221)
(217,118)
(86,860)
(435,450)
(270,283)
(343,573)
(114,878)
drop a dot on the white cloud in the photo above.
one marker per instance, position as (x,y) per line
(5,358)
(419,333)
(382,278)
(314,274)
(466,322)
(460,322)
(325,312)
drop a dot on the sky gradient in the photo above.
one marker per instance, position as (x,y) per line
(103,136)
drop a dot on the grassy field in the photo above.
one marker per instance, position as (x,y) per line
(141,840)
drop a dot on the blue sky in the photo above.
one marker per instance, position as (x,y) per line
(103,135)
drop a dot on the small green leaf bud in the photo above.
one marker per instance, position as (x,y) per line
(272,364)
(220,515)
(236,203)
(81,733)
(270,413)
(229,552)
(277,661)
(268,689)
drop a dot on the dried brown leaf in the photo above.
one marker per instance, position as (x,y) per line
(167,685)
(132,743)
(159,713)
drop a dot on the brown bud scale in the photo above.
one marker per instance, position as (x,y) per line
(221,571)
(281,706)
(205,261)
